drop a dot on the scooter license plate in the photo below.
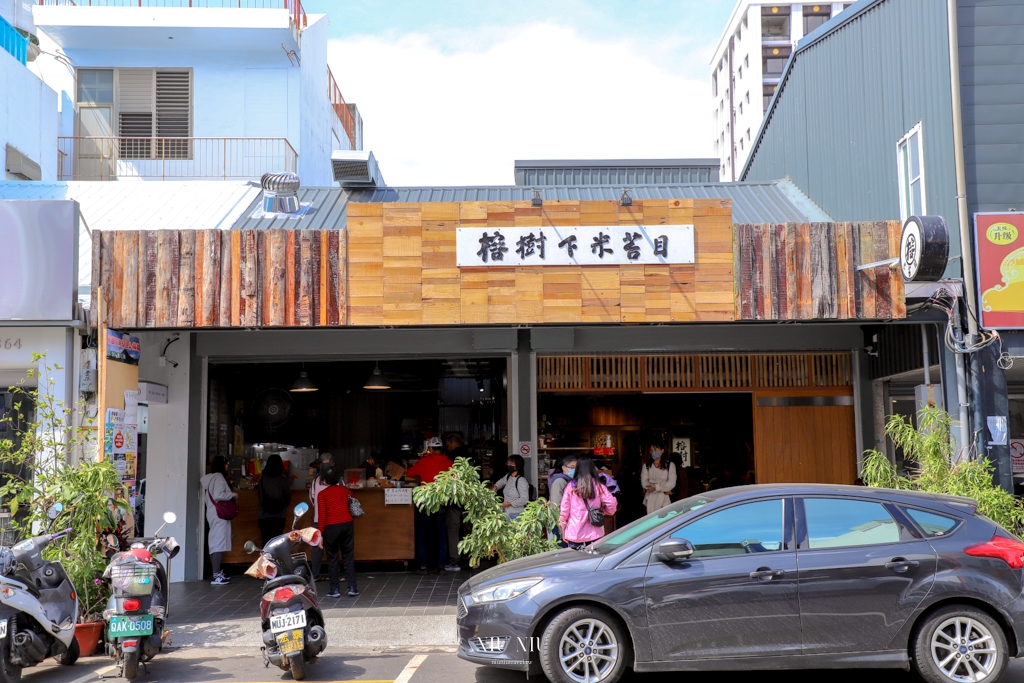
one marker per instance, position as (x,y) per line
(3,629)
(124,625)
(290,641)
(287,621)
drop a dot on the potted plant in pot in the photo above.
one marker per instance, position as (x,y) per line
(38,474)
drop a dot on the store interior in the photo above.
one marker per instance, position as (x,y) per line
(710,435)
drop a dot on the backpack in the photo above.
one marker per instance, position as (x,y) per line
(271,505)
(530,488)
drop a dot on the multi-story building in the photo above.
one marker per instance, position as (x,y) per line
(28,107)
(746,67)
(207,89)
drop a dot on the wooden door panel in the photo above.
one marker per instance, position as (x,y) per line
(804,443)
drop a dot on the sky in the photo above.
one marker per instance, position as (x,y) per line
(452,92)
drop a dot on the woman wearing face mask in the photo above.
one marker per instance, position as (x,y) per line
(657,477)
(514,487)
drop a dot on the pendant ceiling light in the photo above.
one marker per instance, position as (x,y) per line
(303,383)
(377,380)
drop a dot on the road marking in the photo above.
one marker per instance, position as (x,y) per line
(93,675)
(410,669)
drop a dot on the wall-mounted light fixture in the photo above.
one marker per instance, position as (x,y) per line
(625,199)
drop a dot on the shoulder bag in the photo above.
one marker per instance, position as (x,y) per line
(226,509)
(594,515)
(355,508)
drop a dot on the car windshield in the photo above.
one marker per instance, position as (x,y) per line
(635,530)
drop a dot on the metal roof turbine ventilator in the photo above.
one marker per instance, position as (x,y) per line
(280,192)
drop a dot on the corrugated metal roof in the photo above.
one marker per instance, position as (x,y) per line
(199,205)
(776,202)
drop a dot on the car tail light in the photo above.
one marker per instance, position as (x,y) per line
(131,605)
(1009,550)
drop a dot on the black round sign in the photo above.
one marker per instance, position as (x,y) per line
(924,248)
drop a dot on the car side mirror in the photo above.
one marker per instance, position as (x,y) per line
(674,549)
(249,547)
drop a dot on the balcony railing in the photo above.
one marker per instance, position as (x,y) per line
(109,158)
(341,108)
(294,7)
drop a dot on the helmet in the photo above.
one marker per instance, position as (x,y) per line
(8,563)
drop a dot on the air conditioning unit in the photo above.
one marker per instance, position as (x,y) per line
(356,169)
(21,166)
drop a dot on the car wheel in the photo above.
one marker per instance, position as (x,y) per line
(584,645)
(959,644)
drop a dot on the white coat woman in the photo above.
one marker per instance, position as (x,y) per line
(215,486)
(658,478)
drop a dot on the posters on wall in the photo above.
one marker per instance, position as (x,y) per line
(123,348)
(999,238)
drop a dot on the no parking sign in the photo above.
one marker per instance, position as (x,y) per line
(1017,454)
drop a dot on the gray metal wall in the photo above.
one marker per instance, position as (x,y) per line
(991,39)
(849,98)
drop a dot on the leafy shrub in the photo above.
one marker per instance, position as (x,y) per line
(936,469)
(493,533)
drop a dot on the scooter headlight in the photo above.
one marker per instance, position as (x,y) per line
(6,592)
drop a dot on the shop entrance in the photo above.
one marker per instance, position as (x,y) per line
(768,417)
(710,437)
(352,410)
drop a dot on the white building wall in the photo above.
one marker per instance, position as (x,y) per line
(18,13)
(28,116)
(167,441)
(318,122)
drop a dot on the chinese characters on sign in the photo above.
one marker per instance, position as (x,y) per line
(1000,258)
(575,246)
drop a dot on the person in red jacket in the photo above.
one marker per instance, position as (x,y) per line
(335,524)
(426,468)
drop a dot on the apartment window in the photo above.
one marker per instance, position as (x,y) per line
(149,110)
(748,134)
(815,16)
(741,144)
(910,160)
(748,97)
(746,61)
(741,109)
(775,22)
(773,61)
(714,85)
(739,72)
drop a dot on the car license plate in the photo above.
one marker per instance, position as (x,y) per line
(124,625)
(290,641)
(287,621)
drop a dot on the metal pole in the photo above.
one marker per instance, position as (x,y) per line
(966,260)
(924,351)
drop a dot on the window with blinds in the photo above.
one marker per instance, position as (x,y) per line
(153,110)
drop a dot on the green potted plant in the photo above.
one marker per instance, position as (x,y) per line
(934,467)
(493,535)
(37,472)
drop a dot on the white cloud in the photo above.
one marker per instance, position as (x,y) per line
(437,116)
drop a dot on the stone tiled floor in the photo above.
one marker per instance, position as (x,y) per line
(382,594)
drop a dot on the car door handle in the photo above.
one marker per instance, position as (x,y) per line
(765,574)
(900,565)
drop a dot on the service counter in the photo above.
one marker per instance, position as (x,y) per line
(385,532)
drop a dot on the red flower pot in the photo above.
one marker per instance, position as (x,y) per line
(88,637)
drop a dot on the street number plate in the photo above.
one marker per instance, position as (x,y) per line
(123,625)
(290,641)
(288,621)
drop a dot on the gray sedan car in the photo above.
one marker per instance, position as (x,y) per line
(763,577)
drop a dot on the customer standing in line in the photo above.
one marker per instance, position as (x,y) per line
(557,481)
(275,493)
(657,477)
(456,448)
(426,468)
(514,487)
(336,525)
(585,493)
(217,489)
(315,487)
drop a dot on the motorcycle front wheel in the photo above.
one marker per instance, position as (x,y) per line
(131,664)
(70,656)
(298,666)
(9,673)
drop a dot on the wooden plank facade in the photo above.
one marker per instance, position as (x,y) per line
(395,264)
(808,271)
(220,278)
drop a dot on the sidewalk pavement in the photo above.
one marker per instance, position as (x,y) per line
(393,610)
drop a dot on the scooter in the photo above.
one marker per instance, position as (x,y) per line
(138,604)
(293,625)
(38,606)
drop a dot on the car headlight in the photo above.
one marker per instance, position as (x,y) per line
(506,590)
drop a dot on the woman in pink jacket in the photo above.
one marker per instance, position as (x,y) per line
(585,489)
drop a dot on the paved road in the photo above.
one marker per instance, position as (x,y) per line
(244,665)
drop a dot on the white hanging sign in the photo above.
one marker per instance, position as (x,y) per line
(599,245)
(398,496)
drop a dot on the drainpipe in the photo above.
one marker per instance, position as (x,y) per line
(966,260)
